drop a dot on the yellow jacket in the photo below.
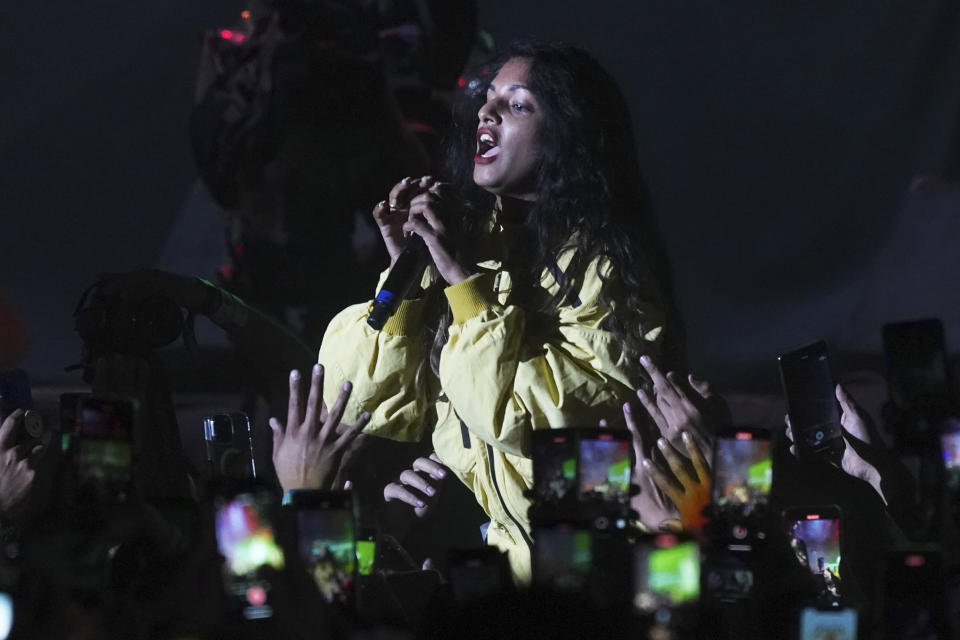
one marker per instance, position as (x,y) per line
(504,372)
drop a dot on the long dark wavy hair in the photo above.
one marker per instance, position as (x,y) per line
(591,198)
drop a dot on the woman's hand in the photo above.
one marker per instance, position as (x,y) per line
(426,220)
(391,214)
(307,453)
(683,404)
(419,486)
(655,512)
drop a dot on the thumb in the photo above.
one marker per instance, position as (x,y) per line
(277,430)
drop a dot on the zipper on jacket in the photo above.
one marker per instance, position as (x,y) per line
(503,503)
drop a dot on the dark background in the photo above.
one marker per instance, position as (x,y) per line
(779,141)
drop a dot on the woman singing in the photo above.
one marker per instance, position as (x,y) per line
(546,285)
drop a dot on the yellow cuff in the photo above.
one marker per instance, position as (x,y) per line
(407,319)
(471,297)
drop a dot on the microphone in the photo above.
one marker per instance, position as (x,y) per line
(406,272)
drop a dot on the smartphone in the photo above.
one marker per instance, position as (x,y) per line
(917,367)
(604,470)
(555,457)
(562,554)
(326,541)
(950,450)
(476,573)
(229,445)
(366,551)
(742,468)
(814,536)
(6,615)
(16,393)
(812,403)
(245,524)
(913,594)
(666,572)
(104,447)
(828,624)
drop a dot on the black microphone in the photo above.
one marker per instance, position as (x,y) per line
(407,271)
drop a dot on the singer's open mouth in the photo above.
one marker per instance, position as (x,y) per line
(488,147)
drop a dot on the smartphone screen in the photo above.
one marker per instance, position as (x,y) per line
(366,551)
(728,575)
(247,540)
(229,445)
(605,469)
(15,392)
(812,403)
(555,471)
(562,555)
(104,447)
(742,468)
(913,594)
(950,449)
(814,535)
(326,541)
(916,354)
(666,572)
(832,624)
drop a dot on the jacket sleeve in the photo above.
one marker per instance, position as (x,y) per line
(506,377)
(384,367)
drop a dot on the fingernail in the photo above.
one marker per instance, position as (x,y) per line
(685,436)
(294,375)
(645,360)
(627,408)
(381,203)
(365,415)
(440,473)
(661,443)
(645,463)
(317,370)
(431,491)
(695,379)
(346,386)
(420,503)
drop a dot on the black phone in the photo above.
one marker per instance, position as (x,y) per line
(666,572)
(728,574)
(918,376)
(913,594)
(16,393)
(476,573)
(814,534)
(245,521)
(326,540)
(812,403)
(742,468)
(104,447)
(562,554)
(229,445)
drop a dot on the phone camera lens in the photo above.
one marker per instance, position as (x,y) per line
(739,532)
(818,436)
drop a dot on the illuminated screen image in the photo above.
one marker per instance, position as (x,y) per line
(950,443)
(816,544)
(245,538)
(605,471)
(563,556)
(555,471)
(814,413)
(666,577)
(366,554)
(828,625)
(105,449)
(743,471)
(327,548)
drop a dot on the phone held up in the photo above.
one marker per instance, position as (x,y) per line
(814,534)
(229,446)
(812,403)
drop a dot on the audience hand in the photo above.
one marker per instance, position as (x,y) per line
(690,492)
(683,404)
(26,476)
(655,512)
(307,452)
(419,486)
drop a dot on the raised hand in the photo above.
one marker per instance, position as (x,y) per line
(655,512)
(307,452)
(24,485)
(418,486)
(689,492)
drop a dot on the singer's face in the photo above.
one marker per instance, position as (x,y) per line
(508,151)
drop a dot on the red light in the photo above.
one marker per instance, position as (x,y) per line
(914,561)
(226,34)
(245,15)
(461,81)
(744,435)
(665,541)
(813,516)
(560,439)
(605,436)
(256,596)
